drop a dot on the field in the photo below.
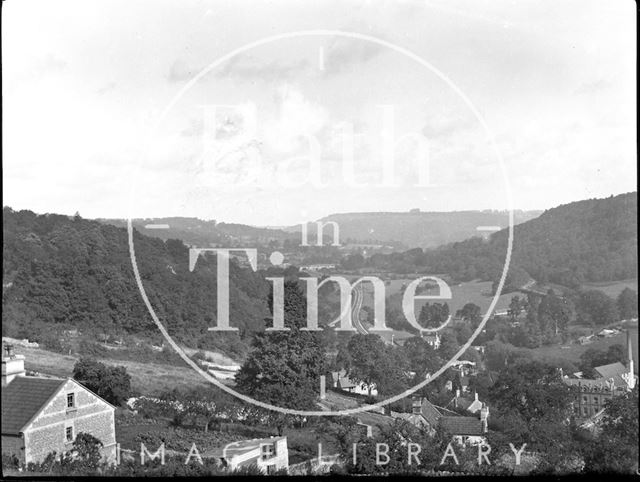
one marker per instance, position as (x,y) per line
(613,288)
(147,378)
(572,352)
(478,292)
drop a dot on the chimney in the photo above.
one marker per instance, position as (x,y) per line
(457,393)
(476,395)
(12,365)
(484,417)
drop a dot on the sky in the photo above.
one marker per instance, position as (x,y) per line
(164,108)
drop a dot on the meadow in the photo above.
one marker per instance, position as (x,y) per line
(477,292)
(613,288)
(147,378)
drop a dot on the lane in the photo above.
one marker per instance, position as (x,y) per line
(355,313)
(357,298)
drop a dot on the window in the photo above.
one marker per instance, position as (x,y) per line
(69,434)
(271,469)
(585,399)
(267,451)
(585,411)
(595,400)
(71,400)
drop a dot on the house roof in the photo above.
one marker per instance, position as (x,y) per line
(397,335)
(241,447)
(462,425)
(346,382)
(611,370)
(342,379)
(429,412)
(599,385)
(22,400)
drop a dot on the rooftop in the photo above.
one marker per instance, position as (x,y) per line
(23,398)
(611,370)
(241,447)
(462,425)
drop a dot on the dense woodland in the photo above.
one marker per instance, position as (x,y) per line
(70,273)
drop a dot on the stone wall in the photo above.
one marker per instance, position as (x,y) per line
(13,445)
(90,414)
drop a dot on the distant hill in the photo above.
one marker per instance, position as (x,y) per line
(201,233)
(586,241)
(61,272)
(420,229)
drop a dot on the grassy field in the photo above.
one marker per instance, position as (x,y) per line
(478,292)
(147,378)
(613,288)
(573,351)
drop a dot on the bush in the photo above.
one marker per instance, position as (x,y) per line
(111,383)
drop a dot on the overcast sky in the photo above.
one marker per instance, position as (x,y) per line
(87,85)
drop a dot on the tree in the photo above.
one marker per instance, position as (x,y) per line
(111,383)
(432,316)
(627,302)
(593,357)
(421,356)
(366,354)
(353,261)
(463,333)
(516,306)
(202,404)
(615,450)
(448,345)
(593,307)
(284,367)
(471,313)
(554,314)
(86,450)
(533,392)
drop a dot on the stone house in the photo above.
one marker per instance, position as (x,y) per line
(612,380)
(44,415)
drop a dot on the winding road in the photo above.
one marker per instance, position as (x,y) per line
(357,296)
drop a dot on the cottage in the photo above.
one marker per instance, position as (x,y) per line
(268,454)
(433,340)
(464,430)
(472,406)
(44,415)
(342,382)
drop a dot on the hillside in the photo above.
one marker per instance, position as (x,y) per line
(62,272)
(586,241)
(421,229)
(202,233)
